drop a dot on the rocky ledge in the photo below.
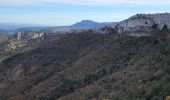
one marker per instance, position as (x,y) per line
(28,35)
(142,24)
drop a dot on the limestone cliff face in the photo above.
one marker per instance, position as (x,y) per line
(144,23)
(28,35)
(20,40)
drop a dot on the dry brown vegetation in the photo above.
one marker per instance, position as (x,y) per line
(90,66)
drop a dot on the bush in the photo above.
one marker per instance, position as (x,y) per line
(166,88)
(113,67)
(93,92)
(155,90)
(161,47)
(11,58)
(155,98)
(45,73)
(65,88)
(42,96)
(167,69)
(26,88)
(95,75)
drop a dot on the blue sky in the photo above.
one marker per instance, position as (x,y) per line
(66,12)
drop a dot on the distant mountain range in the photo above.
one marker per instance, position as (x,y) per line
(84,24)
(2,31)
(14,26)
(88,24)
(10,28)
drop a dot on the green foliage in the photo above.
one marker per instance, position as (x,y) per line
(113,67)
(157,91)
(27,88)
(154,90)
(43,96)
(155,98)
(41,78)
(117,52)
(161,47)
(166,88)
(93,92)
(11,58)
(167,69)
(44,74)
(65,88)
(95,75)
(131,95)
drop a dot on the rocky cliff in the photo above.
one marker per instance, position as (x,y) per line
(20,42)
(142,24)
(88,66)
(28,35)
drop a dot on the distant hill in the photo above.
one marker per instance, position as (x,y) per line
(32,28)
(14,26)
(84,24)
(2,31)
(11,28)
(88,24)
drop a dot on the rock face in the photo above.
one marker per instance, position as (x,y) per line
(142,24)
(20,40)
(28,35)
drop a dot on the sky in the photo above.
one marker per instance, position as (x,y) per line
(67,12)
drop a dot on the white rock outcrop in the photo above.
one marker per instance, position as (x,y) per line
(144,23)
(28,35)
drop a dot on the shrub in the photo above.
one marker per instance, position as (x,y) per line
(26,88)
(161,47)
(42,96)
(93,92)
(167,69)
(11,58)
(166,88)
(113,67)
(95,75)
(155,98)
(155,90)
(65,88)
(45,73)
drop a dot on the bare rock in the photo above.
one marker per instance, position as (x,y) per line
(142,24)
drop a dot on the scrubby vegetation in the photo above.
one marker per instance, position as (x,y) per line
(90,66)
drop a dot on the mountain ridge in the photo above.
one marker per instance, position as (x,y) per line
(93,64)
(84,24)
(144,23)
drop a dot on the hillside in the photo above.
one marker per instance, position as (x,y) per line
(127,62)
(89,66)
(3,37)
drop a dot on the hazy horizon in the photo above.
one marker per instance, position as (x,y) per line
(67,12)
